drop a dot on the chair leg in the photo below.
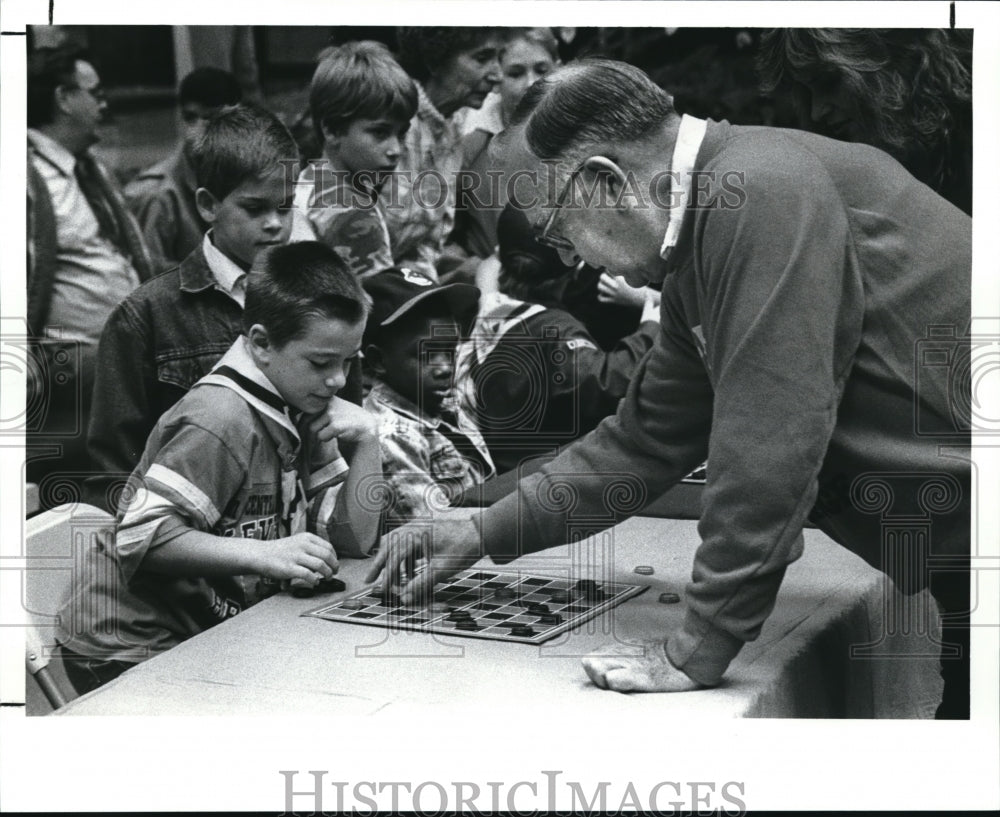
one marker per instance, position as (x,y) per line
(50,688)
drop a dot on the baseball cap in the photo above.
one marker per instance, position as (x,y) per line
(399,290)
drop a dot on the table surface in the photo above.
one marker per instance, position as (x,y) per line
(271,660)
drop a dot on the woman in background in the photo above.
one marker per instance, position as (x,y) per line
(906,91)
(454,68)
(527,56)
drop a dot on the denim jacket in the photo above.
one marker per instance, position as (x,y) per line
(158,342)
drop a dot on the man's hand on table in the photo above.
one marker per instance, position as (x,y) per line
(650,672)
(451,544)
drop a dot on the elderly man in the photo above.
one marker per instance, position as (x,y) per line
(85,251)
(799,275)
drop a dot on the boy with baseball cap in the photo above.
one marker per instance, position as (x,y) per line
(431,448)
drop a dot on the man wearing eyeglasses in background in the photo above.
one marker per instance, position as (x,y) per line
(800,276)
(85,253)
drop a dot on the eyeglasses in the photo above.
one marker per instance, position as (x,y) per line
(96,93)
(546,237)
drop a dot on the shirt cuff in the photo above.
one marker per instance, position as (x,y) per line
(328,474)
(702,651)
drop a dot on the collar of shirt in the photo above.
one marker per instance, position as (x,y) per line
(690,135)
(52,152)
(236,370)
(388,396)
(229,277)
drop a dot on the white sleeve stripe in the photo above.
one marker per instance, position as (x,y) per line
(144,505)
(328,472)
(198,500)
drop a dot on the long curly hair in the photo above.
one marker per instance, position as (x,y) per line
(913,87)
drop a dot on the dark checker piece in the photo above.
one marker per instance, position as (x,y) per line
(301,591)
(589,589)
(522,630)
(669,598)
(550,618)
(466,624)
(537,608)
(644,570)
(331,585)
(560,596)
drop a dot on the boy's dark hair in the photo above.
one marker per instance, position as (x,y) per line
(211,87)
(359,80)
(48,69)
(292,283)
(241,142)
(424,49)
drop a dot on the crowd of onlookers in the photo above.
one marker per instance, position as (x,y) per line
(253,332)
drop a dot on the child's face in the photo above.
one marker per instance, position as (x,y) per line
(255,216)
(523,63)
(368,146)
(419,363)
(312,368)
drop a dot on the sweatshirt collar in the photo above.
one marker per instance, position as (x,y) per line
(238,372)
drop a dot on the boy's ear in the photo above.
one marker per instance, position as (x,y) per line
(260,343)
(374,359)
(206,203)
(331,138)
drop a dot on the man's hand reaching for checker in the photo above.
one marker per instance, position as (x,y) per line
(451,545)
(649,672)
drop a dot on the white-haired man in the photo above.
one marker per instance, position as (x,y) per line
(799,275)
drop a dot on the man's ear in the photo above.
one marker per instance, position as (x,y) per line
(61,96)
(207,204)
(374,359)
(607,172)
